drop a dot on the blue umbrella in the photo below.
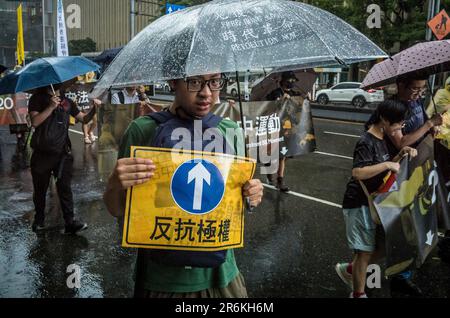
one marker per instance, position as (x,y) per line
(44,72)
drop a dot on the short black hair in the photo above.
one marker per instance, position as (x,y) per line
(393,111)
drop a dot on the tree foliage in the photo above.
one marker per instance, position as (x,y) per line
(76,47)
(403,22)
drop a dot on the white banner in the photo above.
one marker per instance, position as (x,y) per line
(62,48)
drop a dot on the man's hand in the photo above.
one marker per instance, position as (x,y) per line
(435,131)
(54,102)
(253,189)
(133,171)
(411,152)
(286,96)
(436,120)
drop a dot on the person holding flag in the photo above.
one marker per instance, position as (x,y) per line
(371,163)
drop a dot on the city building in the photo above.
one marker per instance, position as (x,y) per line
(109,23)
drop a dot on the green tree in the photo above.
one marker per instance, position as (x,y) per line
(76,47)
(402,22)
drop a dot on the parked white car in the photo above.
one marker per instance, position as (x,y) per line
(349,92)
(162,86)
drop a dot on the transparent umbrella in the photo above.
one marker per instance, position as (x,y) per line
(237,35)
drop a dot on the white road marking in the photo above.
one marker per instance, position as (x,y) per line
(332,155)
(78,132)
(339,121)
(307,197)
(340,134)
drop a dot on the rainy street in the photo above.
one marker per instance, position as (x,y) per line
(292,241)
(267,149)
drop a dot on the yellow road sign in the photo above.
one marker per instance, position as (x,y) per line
(440,25)
(193,202)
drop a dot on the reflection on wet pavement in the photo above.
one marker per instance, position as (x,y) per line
(36,265)
(291,245)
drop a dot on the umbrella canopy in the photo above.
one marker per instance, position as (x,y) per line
(46,71)
(262,87)
(237,35)
(423,59)
(107,55)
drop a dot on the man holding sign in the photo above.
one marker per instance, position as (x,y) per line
(194,97)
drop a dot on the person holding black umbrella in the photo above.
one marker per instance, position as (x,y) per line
(49,111)
(285,90)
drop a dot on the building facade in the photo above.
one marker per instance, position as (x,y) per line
(109,23)
(32,28)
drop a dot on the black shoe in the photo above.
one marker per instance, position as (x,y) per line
(75,227)
(281,186)
(404,288)
(38,227)
(444,248)
(271,179)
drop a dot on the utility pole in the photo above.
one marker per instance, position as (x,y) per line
(433,9)
(132,18)
(43,26)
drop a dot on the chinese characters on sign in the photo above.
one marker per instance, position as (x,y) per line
(61,38)
(193,202)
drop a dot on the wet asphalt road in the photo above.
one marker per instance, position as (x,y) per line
(292,242)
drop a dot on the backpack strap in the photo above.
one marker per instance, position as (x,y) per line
(161,117)
(121,97)
(211,120)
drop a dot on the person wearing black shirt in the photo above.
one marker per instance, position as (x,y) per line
(416,127)
(286,88)
(45,103)
(371,163)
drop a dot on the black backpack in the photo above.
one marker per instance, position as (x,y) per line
(167,122)
(52,136)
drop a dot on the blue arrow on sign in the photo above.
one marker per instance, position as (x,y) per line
(197,186)
(170,8)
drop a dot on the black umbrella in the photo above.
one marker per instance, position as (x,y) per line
(107,55)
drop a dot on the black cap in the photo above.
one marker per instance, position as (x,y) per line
(288,75)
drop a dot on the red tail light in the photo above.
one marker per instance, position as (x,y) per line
(371,91)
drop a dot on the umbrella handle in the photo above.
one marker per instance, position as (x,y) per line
(432,96)
(53,89)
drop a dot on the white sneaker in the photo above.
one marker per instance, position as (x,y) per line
(341,270)
(362,296)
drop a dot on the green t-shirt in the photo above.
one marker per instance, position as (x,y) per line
(165,278)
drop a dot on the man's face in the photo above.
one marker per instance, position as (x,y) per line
(392,129)
(195,95)
(131,90)
(413,91)
(288,84)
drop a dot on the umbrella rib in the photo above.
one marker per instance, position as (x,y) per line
(309,27)
(193,37)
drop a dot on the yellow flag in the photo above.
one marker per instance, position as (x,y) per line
(20,45)
(193,202)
